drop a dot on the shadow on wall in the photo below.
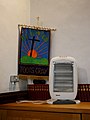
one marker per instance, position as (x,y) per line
(82,76)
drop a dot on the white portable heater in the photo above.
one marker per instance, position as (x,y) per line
(63,78)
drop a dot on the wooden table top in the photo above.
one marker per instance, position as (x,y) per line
(83,107)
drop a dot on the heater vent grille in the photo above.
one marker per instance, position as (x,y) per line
(63,77)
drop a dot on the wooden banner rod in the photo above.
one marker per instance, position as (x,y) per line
(36,27)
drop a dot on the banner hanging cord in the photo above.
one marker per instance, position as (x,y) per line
(36,27)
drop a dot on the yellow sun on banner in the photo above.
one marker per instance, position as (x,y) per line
(34,53)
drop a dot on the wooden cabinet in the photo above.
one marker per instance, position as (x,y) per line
(3,114)
(0,114)
(29,111)
(31,115)
(86,116)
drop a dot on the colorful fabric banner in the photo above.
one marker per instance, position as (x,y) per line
(34,52)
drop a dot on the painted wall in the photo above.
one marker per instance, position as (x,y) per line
(71,18)
(12,13)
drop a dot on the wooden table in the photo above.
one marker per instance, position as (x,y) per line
(30,111)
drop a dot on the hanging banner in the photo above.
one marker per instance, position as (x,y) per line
(34,52)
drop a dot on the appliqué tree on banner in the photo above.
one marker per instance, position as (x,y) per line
(34,50)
